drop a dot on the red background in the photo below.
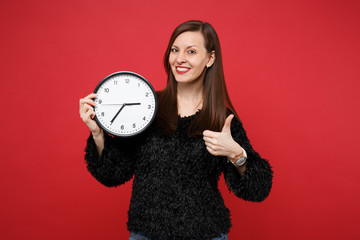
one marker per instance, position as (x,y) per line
(292,70)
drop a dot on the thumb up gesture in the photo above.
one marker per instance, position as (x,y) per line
(222,143)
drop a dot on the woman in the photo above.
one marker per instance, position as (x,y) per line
(177,162)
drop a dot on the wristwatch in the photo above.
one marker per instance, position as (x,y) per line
(240,159)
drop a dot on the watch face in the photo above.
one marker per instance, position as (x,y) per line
(126,104)
(240,161)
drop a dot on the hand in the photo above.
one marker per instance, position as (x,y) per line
(87,113)
(222,143)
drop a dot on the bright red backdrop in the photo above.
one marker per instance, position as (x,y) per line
(292,70)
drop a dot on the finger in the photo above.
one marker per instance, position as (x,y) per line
(84,108)
(91,95)
(211,151)
(86,117)
(89,108)
(92,114)
(87,101)
(88,97)
(227,125)
(210,134)
(210,140)
(211,146)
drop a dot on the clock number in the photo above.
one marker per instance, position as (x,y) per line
(127,80)
(144,118)
(102,114)
(115,82)
(106,90)
(147,94)
(122,127)
(149,106)
(100,101)
(134,125)
(138,84)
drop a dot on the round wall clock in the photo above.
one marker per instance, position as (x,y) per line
(126,104)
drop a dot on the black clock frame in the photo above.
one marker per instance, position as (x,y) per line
(151,120)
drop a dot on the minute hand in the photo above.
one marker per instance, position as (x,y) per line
(125,104)
(117,113)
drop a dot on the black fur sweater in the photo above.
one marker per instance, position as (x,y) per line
(175,188)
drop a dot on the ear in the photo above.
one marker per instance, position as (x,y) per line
(211,59)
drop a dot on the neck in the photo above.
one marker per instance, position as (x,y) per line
(189,97)
(190,91)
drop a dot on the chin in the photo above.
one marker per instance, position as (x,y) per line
(185,79)
(182,79)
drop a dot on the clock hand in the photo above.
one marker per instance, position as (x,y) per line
(112,104)
(117,113)
(129,104)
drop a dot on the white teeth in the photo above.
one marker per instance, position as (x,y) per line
(182,69)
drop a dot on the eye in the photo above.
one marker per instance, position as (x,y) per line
(174,50)
(191,51)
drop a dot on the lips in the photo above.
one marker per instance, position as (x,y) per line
(182,70)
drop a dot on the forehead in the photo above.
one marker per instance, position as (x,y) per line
(186,39)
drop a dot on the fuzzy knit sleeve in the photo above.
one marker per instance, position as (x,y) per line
(115,166)
(256,182)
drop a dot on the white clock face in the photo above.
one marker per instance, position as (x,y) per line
(126,104)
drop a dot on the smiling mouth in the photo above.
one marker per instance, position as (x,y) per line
(182,70)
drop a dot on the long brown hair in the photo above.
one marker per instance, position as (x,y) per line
(216,101)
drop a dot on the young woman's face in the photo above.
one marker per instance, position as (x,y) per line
(189,57)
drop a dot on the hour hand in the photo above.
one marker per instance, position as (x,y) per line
(130,104)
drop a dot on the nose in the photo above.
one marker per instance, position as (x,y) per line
(180,58)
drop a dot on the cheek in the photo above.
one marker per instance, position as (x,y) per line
(171,59)
(199,63)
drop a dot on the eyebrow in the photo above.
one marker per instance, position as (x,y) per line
(186,47)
